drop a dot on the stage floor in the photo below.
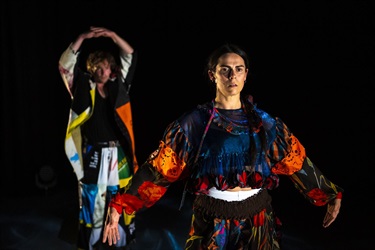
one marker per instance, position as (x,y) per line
(46,220)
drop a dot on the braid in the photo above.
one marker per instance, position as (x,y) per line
(256,126)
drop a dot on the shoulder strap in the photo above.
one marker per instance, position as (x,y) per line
(197,155)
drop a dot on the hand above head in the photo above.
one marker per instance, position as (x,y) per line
(111,232)
(101,31)
(121,43)
(333,209)
(95,32)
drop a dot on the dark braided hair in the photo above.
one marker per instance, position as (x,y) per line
(256,125)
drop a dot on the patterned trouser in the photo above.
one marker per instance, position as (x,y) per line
(102,173)
(248,224)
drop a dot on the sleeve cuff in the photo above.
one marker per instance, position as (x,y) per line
(339,195)
(116,206)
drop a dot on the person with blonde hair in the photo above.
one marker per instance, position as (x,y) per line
(99,140)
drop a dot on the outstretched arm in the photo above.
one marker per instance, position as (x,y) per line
(307,178)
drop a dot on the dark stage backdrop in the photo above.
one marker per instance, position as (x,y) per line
(312,65)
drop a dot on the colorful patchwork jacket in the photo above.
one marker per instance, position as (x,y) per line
(82,93)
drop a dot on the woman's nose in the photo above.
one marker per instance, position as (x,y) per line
(232,74)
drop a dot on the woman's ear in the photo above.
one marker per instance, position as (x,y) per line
(211,75)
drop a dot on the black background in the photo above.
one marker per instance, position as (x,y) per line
(311,64)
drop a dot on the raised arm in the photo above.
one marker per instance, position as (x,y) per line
(119,41)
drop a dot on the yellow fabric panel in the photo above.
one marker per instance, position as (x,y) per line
(125,182)
(128,218)
(81,118)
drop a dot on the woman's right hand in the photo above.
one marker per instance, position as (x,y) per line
(83,36)
(111,233)
(88,34)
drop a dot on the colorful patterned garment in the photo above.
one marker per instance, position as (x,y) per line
(100,170)
(224,161)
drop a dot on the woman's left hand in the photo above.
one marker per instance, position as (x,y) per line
(333,209)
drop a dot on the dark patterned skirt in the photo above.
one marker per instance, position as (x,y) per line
(248,224)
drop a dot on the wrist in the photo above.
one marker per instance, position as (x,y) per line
(115,206)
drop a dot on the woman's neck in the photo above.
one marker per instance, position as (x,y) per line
(101,89)
(233,102)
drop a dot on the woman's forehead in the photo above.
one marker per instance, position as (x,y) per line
(104,62)
(231,59)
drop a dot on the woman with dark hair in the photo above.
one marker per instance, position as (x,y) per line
(231,154)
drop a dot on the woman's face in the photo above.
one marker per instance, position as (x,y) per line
(230,75)
(102,72)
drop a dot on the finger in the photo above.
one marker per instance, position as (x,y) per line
(114,237)
(109,239)
(106,234)
(328,219)
(117,234)
(327,223)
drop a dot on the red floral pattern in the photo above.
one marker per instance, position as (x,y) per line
(151,193)
(319,197)
(128,202)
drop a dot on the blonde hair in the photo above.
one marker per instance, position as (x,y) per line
(97,57)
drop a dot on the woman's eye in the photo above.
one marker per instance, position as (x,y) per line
(224,70)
